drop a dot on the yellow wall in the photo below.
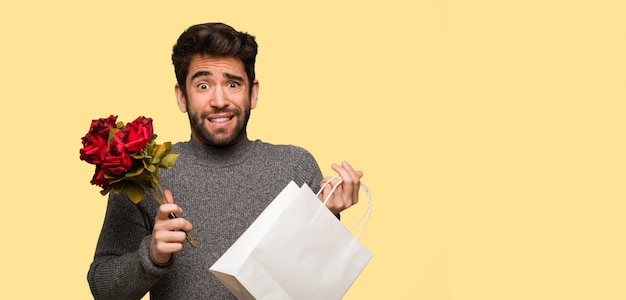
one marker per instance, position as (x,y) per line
(491,132)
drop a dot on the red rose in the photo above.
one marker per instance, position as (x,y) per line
(116,160)
(102,126)
(135,135)
(94,142)
(94,147)
(98,178)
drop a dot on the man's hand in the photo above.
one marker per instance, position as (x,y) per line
(168,234)
(347,193)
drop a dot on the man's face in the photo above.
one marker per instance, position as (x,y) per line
(218,100)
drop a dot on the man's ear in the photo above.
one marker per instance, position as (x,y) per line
(180,98)
(254,95)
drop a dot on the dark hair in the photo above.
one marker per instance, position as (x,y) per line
(216,39)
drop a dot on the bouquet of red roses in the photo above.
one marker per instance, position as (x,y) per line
(127,158)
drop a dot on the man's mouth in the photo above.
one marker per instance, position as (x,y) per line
(219,120)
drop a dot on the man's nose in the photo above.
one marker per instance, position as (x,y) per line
(219,98)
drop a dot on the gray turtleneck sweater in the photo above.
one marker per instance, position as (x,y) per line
(221,192)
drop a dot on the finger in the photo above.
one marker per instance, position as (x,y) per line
(348,184)
(325,180)
(326,190)
(162,247)
(336,188)
(168,196)
(337,197)
(346,173)
(356,176)
(165,210)
(169,241)
(169,236)
(175,224)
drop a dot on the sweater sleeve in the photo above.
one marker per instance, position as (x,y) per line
(122,267)
(311,171)
(308,169)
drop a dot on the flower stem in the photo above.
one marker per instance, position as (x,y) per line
(159,197)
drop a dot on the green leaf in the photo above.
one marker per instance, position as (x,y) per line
(112,132)
(168,161)
(134,173)
(134,191)
(116,180)
(118,187)
(138,156)
(103,192)
(159,152)
(151,168)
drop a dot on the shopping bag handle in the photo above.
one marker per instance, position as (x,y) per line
(365,214)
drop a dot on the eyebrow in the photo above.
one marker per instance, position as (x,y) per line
(207,73)
(233,77)
(201,73)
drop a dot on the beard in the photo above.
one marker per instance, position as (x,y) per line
(222,137)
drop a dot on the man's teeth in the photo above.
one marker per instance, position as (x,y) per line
(220,120)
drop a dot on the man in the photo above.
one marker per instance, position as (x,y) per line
(221,178)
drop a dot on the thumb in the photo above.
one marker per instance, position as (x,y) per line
(168,196)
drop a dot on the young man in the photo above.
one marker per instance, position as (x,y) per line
(221,178)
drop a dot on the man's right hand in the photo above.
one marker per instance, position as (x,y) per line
(168,234)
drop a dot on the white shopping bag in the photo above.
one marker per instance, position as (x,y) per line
(295,249)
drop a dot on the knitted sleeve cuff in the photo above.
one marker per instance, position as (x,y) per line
(148,263)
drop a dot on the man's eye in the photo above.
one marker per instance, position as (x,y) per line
(233,84)
(203,86)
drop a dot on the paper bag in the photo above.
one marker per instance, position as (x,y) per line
(295,249)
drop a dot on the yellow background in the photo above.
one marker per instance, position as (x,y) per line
(491,132)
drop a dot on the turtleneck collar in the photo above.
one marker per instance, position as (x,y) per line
(220,156)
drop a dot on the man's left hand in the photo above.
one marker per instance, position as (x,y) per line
(347,193)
